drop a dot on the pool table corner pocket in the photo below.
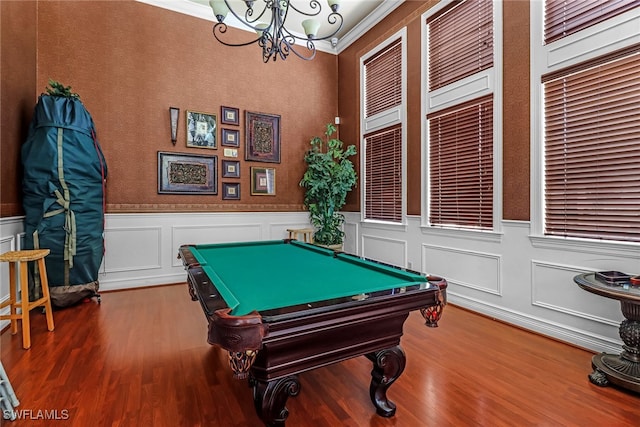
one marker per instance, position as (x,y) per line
(241,336)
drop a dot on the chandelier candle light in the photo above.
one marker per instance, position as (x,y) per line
(273,37)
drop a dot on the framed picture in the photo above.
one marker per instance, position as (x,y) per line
(231,137)
(201,130)
(187,173)
(230,169)
(230,116)
(263,181)
(230,191)
(262,137)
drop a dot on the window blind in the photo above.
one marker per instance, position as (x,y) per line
(460,42)
(592,150)
(461,165)
(383,175)
(564,17)
(383,79)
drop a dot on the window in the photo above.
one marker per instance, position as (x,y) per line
(591,131)
(382,123)
(563,18)
(460,115)
(383,193)
(461,159)
(460,42)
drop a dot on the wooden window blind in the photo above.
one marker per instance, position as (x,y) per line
(383,79)
(564,17)
(460,42)
(592,150)
(383,175)
(461,165)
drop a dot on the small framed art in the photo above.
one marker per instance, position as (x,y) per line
(230,191)
(231,137)
(263,181)
(201,130)
(187,173)
(230,116)
(262,137)
(230,169)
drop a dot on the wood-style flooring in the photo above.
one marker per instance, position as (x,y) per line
(141,359)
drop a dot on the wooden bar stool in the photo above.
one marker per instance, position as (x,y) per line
(307,234)
(21,258)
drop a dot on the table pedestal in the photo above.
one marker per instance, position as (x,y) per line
(624,369)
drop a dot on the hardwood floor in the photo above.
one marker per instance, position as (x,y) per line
(141,359)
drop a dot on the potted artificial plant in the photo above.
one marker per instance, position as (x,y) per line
(329,177)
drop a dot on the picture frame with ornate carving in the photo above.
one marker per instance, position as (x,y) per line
(180,173)
(262,137)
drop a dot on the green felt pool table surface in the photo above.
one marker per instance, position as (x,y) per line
(271,274)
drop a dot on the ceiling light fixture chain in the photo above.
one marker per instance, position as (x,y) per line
(275,39)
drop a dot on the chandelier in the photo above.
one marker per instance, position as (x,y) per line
(275,39)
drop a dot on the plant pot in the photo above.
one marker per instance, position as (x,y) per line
(337,247)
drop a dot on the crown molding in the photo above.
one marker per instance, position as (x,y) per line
(202,11)
(369,22)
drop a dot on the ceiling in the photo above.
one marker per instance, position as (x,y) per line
(353,12)
(359,16)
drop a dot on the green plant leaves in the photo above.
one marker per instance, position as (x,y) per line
(329,177)
(58,89)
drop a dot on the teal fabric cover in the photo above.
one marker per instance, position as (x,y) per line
(63,190)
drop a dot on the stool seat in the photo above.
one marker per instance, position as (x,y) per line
(20,258)
(307,234)
(26,255)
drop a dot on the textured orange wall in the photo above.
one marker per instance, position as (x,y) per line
(516,112)
(515,109)
(18,72)
(130,61)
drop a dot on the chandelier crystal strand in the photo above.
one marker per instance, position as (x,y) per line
(273,36)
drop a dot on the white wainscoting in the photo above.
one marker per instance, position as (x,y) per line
(507,277)
(141,249)
(10,230)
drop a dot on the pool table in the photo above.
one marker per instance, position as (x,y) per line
(282,307)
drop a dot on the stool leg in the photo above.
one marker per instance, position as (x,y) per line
(13,297)
(44,281)
(24,304)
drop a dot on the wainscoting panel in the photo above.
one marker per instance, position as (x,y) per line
(553,288)
(350,238)
(390,251)
(481,270)
(214,233)
(219,233)
(132,249)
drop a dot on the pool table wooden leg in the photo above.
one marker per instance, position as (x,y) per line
(271,397)
(388,364)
